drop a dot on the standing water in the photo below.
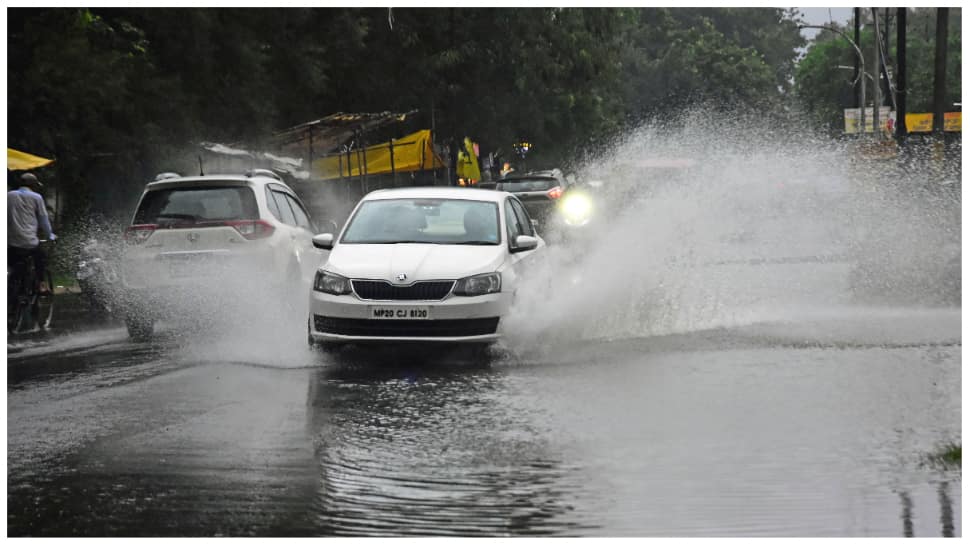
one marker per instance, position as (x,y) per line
(757,335)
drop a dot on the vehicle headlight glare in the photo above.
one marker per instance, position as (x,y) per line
(479,285)
(576,208)
(331,283)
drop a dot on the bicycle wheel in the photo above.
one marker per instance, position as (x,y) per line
(43,309)
(22,317)
(14,307)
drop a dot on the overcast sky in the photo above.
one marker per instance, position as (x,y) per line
(820,16)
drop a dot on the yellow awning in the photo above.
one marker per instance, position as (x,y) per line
(22,161)
(411,153)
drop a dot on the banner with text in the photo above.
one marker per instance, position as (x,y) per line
(915,123)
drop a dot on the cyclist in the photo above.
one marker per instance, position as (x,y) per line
(26,214)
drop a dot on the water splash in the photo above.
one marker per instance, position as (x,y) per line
(722,220)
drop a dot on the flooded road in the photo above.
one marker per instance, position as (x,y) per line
(818,428)
(769,347)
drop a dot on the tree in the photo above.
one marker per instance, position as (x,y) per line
(676,57)
(119,94)
(825,90)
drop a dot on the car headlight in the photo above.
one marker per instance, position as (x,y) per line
(479,285)
(331,283)
(576,208)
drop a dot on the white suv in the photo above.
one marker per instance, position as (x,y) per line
(193,238)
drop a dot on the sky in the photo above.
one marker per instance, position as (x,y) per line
(820,16)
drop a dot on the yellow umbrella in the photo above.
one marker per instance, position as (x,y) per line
(22,161)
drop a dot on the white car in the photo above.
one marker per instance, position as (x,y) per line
(428,264)
(192,238)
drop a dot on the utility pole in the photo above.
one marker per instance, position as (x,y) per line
(939,79)
(855,74)
(901,74)
(876,98)
(884,59)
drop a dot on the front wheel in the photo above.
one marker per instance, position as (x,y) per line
(26,308)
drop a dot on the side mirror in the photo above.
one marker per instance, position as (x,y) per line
(323,241)
(524,242)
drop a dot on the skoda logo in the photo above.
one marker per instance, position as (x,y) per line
(192,237)
(402,277)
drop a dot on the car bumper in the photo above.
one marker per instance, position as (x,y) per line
(456,319)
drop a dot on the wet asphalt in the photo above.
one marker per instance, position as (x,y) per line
(820,427)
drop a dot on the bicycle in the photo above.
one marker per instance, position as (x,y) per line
(27,308)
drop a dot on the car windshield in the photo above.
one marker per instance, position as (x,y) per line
(526,184)
(435,221)
(197,205)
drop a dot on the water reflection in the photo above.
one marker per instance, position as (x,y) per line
(946,511)
(907,514)
(424,450)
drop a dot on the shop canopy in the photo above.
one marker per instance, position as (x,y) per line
(410,153)
(327,134)
(22,161)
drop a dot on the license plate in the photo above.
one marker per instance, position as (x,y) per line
(389,312)
(186,265)
(180,268)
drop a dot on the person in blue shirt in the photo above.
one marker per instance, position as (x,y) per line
(26,216)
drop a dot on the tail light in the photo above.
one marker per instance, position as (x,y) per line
(138,233)
(252,229)
(555,193)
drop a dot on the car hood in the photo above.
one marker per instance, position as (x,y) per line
(417,261)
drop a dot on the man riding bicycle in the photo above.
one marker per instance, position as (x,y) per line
(26,213)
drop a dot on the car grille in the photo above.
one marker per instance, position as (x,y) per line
(383,290)
(405,328)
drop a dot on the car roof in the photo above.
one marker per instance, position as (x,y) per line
(213,180)
(438,192)
(555,173)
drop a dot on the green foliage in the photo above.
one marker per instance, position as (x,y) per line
(117,94)
(949,455)
(826,90)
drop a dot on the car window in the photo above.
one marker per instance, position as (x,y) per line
(526,184)
(512,222)
(302,219)
(286,213)
(523,217)
(271,204)
(195,205)
(438,221)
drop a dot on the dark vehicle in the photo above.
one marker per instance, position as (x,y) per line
(539,191)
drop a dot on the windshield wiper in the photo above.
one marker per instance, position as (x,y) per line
(392,242)
(477,243)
